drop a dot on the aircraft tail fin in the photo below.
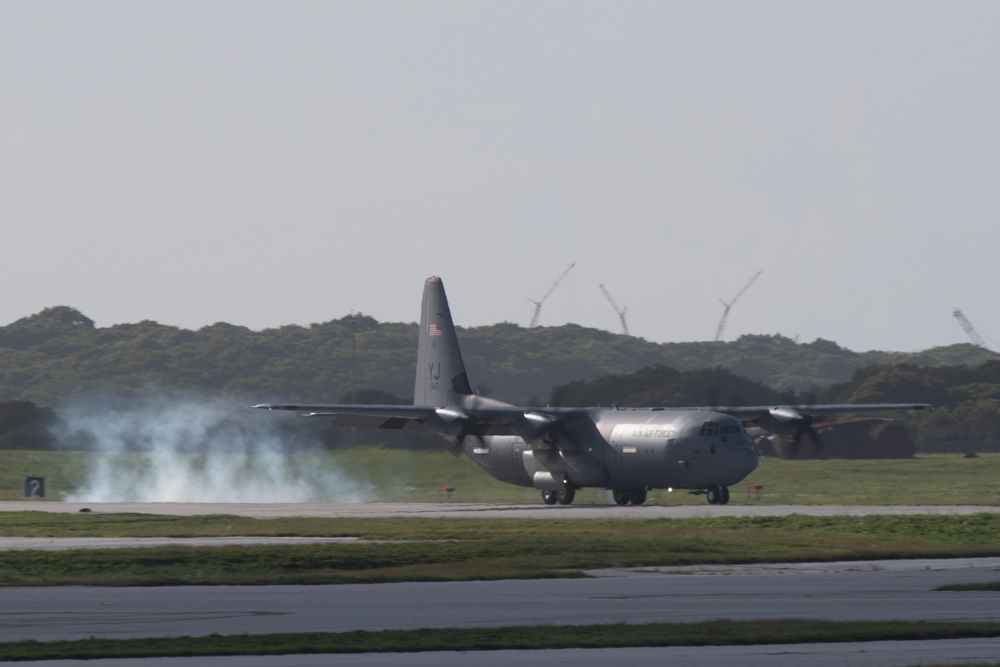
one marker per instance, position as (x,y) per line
(441,377)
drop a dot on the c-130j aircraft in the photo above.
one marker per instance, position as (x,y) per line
(559,450)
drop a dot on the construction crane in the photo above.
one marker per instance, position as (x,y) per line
(969,330)
(726,306)
(620,311)
(538,304)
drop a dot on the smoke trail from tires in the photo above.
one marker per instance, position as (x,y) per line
(170,449)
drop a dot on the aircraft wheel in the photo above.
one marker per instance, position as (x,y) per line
(549,497)
(724,496)
(637,496)
(621,497)
(713,495)
(566,496)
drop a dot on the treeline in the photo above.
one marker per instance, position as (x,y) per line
(59,353)
(24,425)
(966,400)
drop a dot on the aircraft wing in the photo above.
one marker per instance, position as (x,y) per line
(490,421)
(448,421)
(759,411)
(535,425)
(797,420)
(394,417)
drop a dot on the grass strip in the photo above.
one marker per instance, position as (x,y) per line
(417,549)
(709,633)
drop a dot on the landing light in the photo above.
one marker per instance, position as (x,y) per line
(670,489)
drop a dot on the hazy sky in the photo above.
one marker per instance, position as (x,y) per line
(275,163)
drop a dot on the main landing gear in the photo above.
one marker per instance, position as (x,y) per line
(717,495)
(563,496)
(626,496)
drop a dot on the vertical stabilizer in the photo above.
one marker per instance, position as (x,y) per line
(441,378)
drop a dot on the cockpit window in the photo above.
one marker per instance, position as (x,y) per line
(711,429)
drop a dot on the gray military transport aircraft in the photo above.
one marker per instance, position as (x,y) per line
(558,450)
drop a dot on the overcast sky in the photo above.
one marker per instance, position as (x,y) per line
(266,164)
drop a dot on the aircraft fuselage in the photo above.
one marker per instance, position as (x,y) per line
(625,449)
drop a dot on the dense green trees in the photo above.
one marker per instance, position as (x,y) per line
(659,385)
(59,353)
(966,398)
(24,425)
(967,401)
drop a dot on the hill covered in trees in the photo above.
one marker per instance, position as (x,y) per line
(59,356)
(59,353)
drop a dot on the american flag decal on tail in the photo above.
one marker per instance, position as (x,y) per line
(434,331)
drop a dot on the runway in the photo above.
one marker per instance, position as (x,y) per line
(866,590)
(871,590)
(899,590)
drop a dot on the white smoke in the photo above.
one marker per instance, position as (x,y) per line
(191,450)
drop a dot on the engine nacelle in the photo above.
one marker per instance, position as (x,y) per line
(785,421)
(452,424)
(537,429)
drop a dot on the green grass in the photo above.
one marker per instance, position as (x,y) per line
(63,471)
(402,476)
(709,633)
(929,479)
(420,549)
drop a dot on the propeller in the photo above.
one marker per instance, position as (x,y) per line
(454,424)
(792,422)
(537,428)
